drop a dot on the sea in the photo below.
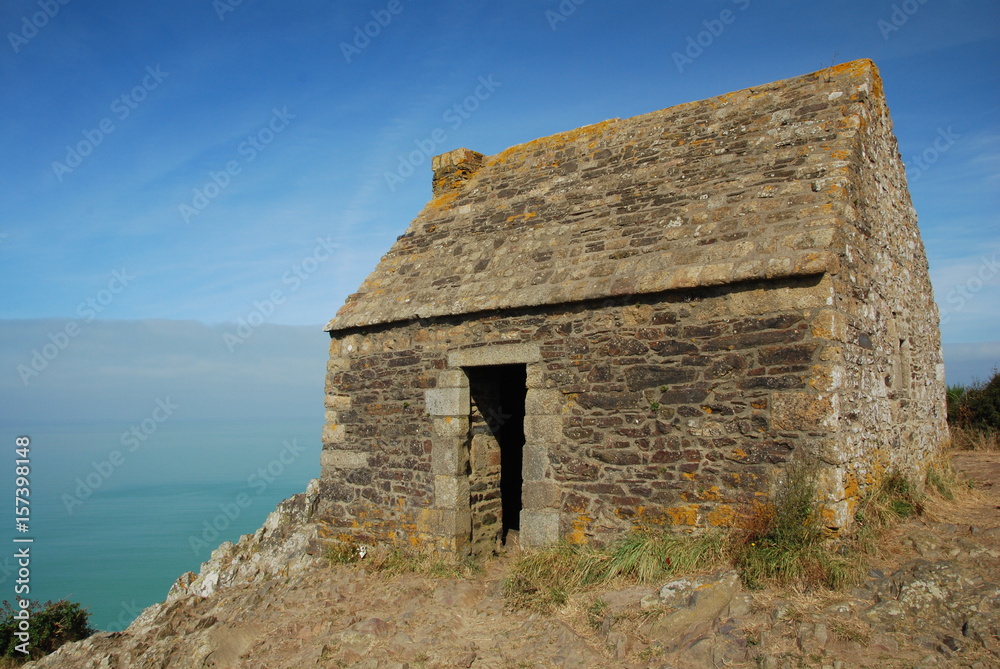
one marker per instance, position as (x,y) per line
(116,516)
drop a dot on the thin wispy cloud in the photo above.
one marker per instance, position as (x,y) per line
(324,175)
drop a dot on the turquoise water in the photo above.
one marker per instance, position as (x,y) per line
(115,519)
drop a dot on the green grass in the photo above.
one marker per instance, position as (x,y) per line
(775,543)
(545,579)
(403,560)
(596,612)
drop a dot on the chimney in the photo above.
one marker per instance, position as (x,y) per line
(454,168)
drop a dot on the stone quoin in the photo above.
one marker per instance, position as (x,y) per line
(641,323)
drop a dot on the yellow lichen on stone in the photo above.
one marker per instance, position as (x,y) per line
(721,516)
(578,535)
(712,494)
(520,151)
(683,515)
(443,201)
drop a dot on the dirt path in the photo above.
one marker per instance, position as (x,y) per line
(983,471)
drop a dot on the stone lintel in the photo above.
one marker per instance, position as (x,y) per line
(495,354)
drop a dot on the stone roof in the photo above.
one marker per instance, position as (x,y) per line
(745,186)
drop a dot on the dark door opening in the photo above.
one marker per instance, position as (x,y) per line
(496,429)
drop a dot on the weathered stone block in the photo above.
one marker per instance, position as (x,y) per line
(452,378)
(683,396)
(804,412)
(343,459)
(617,456)
(449,456)
(453,524)
(536,376)
(451,492)
(543,429)
(447,401)
(337,402)
(334,433)
(830,324)
(610,401)
(543,402)
(451,426)
(541,495)
(539,527)
(535,461)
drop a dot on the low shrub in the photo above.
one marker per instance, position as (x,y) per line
(974,414)
(782,542)
(50,625)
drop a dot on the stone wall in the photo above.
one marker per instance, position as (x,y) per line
(888,371)
(665,409)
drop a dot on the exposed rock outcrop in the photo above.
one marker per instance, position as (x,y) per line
(272,601)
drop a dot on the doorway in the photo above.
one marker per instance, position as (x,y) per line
(496,451)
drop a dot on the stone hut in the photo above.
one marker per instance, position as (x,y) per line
(641,322)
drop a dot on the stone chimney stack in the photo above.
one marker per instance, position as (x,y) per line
(454,168)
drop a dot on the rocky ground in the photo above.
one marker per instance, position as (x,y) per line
(931,600)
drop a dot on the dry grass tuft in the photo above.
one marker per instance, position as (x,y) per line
(969,439)
(545,579)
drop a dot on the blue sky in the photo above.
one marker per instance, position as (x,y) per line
(217,161)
